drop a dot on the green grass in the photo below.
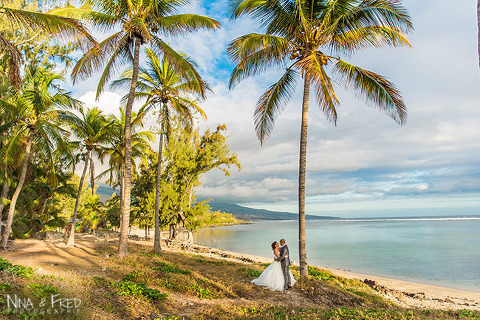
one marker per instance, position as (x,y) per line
(168,268)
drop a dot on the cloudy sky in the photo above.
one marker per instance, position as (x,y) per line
(367,165)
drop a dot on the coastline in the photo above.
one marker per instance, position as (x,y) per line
(407,294)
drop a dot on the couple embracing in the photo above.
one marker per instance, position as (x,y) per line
(277,276)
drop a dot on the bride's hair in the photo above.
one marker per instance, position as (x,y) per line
(274,245)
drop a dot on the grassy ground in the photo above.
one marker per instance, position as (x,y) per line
(184,286)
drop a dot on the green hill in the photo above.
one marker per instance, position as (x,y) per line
(245,213)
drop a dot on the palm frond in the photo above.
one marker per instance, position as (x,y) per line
(372,36)
(325,94)
(184,68)
(368,13)
(184,23)
(94,58)
(14,60)
(373,88)
(66,28)
(272,102)
(99,20)
(255,53)
(121,55)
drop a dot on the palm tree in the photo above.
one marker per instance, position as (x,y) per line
(94,131)
(306,37)
(37,108)
(169,93)
(139,23)
(116,148)
(65,28)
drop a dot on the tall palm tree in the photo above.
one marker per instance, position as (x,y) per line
(116,148)
(307,37)
(138,23)
(93,130)
(169,93)
(64,27)
(37,108)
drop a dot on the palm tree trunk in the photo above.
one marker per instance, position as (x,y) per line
(123,245)
(4,194)
(156,244)
(301,180)
(92,176)
(71,233)
(44,206)
(478,22)
(21,181)
(122,184)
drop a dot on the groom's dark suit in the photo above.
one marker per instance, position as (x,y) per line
(285,263)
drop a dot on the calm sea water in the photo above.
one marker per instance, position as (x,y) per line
(437,251)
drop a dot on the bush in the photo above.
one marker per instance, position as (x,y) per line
(18,270)
(41,291)
(130,288)
(168,268)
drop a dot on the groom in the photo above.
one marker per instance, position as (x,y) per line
(285,263)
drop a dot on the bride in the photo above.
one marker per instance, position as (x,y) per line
(272,277)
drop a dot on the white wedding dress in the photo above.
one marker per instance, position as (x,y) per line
(272,277)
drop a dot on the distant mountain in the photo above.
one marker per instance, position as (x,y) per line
(245,213)
(104,192)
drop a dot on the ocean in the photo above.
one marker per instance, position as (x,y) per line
(437,251)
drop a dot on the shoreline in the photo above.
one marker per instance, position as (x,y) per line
(402,292)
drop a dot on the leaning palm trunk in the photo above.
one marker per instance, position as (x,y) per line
(21,181)
(301,180)
(122,184)
(71,232)
(157,246)
(123,245)
(92,177)
(5,189)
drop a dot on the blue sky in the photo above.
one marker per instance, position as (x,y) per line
(367,165)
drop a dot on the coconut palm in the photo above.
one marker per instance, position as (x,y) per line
(138,23)
(64,27)
(169,93)
(307,37)
(93,130)
(37,108)
(116,148)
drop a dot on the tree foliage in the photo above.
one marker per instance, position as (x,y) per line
(187,156)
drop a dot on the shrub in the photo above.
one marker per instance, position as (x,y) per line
(41,291)
(249,272)
(18,270)
(130,288)
(168,268)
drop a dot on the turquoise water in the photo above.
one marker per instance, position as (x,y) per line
(437,251)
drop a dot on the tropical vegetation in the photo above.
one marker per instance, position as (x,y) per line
(139,23)
(46,134)
(171,95)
